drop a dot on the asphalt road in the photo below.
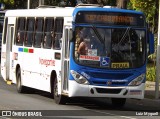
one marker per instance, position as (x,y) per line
(40,103)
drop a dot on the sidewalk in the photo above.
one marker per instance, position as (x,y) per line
(150,90)
(149,96)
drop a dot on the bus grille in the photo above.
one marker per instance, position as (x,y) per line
(109,91)
(109,75)
(105,83)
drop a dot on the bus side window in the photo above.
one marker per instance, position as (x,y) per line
(48,33)
(58,33)
(1,26)
(5,30)
(29,32)
(20,31)
(38,32)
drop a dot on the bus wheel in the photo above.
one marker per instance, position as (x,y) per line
(118,102)
(59,99)
(20,88)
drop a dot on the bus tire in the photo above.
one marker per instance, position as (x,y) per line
(118,102)
(20,88)
(59,99)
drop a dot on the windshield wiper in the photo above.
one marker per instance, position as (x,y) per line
(98,35)
(124,35)
(129,41)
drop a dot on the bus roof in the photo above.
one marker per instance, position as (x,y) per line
(62,12)
(49,12)
(108,10)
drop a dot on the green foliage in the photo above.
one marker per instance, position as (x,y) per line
(8,3)
(151,72)
(151,65)
(148,7)
(109,2)
(52,2)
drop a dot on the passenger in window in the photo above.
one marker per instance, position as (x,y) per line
(52,38)
(58,41)
(43,44)
(45,40)
(85,41)
(84,46)
(18,37)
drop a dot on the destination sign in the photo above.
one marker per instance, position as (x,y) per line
(109,18)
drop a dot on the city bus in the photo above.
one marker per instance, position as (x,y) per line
(83,51)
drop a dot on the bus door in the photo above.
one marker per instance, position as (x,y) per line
(9,61)
(65,62)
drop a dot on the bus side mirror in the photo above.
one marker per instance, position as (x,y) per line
(151,43)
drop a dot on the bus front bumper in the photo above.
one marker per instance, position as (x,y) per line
(80,90)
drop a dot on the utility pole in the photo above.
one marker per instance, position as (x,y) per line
(41,2)
(28,4)
(158,60)
(122,4)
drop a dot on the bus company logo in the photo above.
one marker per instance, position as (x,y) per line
(85,75)
(47,62)
(6,113)
(109,83)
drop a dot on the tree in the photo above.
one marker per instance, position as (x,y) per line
(149,8)
(52,2)
(8,3)
(18,4)
(122,3)
(119,3)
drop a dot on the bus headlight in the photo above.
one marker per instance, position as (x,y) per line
(137,81)
(79,78)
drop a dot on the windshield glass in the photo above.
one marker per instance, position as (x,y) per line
(110,47)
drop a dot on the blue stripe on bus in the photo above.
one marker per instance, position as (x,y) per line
(20,49)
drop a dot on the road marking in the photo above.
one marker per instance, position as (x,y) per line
(115,115)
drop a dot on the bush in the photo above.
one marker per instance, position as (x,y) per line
(151,64)
(151,72)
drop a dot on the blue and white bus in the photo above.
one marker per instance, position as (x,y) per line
(41,50)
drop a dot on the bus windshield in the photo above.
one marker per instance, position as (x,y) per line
(118,48)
